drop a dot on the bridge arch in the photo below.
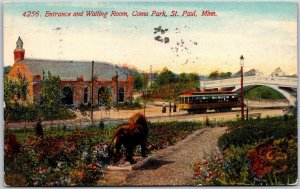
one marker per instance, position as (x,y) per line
(288,96)
(276,83)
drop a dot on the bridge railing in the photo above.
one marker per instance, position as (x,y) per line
(256,80)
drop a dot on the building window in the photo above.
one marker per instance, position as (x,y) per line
(86,93)
(121,94)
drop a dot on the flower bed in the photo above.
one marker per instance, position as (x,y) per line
(74,157)
(253,155)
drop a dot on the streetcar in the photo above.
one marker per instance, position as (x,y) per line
(200,101)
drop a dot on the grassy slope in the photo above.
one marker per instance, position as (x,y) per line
(263,92)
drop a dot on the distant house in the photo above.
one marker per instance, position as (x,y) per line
(278,73)
(75,78)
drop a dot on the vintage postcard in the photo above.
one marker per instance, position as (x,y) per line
(150,93)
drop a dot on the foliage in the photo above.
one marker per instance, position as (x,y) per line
(105,99)
(56,161)
(18,108)
(168,84)
(208,171)
(165,77)
(292,110)
(263,92)
(15,94)
(51,95)
(258,130)
(164,134)
(274,162)
(74,157)
(6,69)
(140,81)
(214,75)
(264,152)
(135,104)
(218,75)
(32,112)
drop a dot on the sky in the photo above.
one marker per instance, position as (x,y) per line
(264,33)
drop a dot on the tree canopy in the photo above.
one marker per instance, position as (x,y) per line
(169,84)
(140,81)
(15,93)
(218,75)
(51,94)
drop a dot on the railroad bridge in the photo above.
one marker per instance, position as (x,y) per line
(287,86)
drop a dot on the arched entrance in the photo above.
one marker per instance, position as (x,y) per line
(121,94)
(86,94)
(67,95)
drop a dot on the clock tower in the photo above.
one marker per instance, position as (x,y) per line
(19,52)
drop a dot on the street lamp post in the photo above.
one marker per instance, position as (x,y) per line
(242,86)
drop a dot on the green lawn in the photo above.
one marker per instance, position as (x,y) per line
(263,92)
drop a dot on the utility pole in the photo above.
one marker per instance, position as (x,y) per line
(242,86)
(117,87)
(92,103)
(150,75)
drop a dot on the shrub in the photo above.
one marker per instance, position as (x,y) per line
(258,130)
(73,157)
(274,162)
(128,105)
(32,112)
(208,171)
(168,133)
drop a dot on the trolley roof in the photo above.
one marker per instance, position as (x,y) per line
(206,92)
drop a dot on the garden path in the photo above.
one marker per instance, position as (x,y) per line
(170,166)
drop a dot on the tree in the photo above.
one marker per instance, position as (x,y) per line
(51,95)
(225,75)
(218,75)
(194,77)
(105,98)
(139,81)
(214,75)
(15,93)
(146,96)
(10,91)
(165,77)
(7,69)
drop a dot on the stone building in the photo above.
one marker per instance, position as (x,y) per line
(76,77)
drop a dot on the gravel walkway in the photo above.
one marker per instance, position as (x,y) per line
(170,166)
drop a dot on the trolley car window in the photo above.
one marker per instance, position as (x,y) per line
(186,100)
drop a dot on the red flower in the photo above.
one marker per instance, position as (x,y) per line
(41,170)
(82,174)
(205,164)
(94,166)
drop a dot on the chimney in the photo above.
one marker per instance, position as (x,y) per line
(19,52)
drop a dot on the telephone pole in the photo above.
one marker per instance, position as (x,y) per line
(92,103)
(150,75)
(117,87)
